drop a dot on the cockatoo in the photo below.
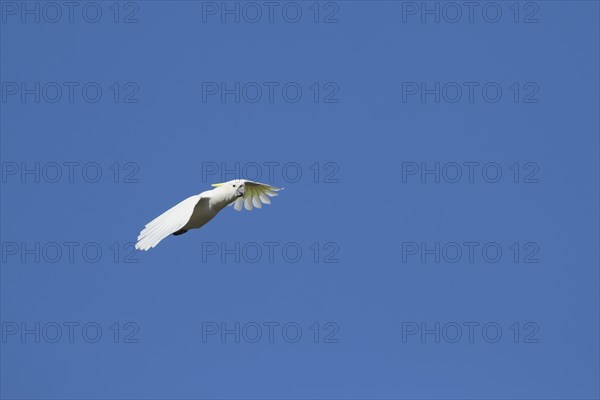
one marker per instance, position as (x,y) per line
(195,211)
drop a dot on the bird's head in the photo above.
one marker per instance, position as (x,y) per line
(233,189)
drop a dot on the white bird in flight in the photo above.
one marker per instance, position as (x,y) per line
(195,211)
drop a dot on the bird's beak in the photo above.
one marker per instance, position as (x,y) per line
(239,192)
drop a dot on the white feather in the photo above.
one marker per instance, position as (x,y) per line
(248,203)
(264,198)
(165,224)
(257,194)
(238,204)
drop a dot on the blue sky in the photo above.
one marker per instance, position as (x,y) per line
(438,232)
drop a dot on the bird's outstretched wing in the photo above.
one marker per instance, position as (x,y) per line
(255,195)
(168,222)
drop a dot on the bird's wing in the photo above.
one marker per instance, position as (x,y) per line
(168,222)
(255,195)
